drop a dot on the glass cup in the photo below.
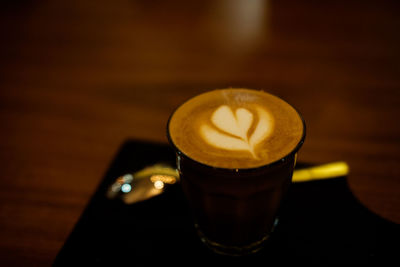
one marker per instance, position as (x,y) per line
(235,210)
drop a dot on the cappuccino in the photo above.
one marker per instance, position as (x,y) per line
(235,152)
(236,128)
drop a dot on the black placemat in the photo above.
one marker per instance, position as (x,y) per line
(321,224)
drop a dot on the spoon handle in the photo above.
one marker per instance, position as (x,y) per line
(320,172)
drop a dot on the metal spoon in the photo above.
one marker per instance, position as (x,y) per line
(154,179)
(143,184)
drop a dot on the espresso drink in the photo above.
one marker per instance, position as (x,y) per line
(236,151)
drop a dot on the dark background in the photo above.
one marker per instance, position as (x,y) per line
(77,78)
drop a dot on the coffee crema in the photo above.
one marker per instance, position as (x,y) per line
(236,128)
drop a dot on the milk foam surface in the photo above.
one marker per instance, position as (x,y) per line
(231,129)
(236,128)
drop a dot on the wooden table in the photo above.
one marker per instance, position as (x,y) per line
(80,77)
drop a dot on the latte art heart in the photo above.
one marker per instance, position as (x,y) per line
(229,130)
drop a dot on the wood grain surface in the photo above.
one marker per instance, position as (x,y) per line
(77,78)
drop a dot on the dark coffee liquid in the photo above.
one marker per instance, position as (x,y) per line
(230,211)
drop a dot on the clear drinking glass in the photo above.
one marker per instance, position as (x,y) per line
(235,210)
